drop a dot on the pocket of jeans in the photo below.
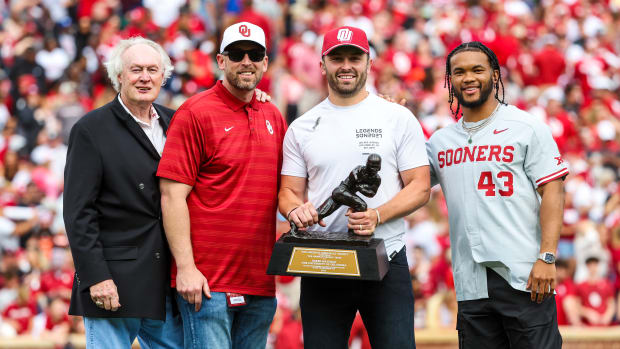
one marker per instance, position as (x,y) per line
(537,315)
(399,260)
(120,253)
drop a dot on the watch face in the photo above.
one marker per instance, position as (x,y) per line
(549,258)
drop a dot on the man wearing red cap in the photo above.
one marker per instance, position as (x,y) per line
(219,183)
(320,149)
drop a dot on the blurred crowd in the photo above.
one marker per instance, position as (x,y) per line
(560,61)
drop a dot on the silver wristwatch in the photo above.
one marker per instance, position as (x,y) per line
(547,257)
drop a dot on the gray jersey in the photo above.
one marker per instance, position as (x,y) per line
(490,189)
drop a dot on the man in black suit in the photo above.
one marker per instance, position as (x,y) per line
(112,208)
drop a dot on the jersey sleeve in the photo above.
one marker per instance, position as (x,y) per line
(293,163)
(184,149)
(543,162)
(411,149)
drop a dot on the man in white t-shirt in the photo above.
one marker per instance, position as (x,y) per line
(320,150)
(501,173)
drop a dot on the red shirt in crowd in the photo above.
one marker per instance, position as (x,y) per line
(505,46)
(51,324)
(230,152)
(57,280)
(21,314)
(594,295)
(190,22)
(564,132)
(291,335)
(564,289)
(202,73)
(550,64)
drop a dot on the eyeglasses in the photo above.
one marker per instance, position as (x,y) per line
(235,55)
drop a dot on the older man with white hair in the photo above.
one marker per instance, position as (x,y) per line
(112,208)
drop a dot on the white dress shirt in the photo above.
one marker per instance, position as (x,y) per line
(153,131)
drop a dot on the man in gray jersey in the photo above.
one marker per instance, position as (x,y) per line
(501,174)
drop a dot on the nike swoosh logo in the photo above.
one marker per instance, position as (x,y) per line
(228,128)
(500,131)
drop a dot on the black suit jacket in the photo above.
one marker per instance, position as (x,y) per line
(112,213)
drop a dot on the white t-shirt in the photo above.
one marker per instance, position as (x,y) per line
(54,62)
(326,143)
(490,189)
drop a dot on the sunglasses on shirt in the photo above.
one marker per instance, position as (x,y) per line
(236,55)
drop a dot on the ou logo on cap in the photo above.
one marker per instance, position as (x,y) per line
(344,35)
(244,30)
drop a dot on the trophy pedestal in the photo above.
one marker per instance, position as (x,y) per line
(330,255)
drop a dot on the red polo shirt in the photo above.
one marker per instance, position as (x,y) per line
(230,152)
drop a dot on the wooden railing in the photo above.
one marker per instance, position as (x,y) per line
(574,338)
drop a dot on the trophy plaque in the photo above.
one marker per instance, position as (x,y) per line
(335,254)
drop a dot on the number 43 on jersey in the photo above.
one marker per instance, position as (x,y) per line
(503,182)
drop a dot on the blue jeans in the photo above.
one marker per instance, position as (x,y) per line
(118,333)
(329,306)
(217,326)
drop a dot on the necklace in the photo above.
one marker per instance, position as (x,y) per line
(472,130)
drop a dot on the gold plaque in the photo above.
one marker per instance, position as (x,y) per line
(323,261)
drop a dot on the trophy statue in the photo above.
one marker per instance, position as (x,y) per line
(335,254)
(364,179)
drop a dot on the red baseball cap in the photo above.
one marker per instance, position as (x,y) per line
(345,36)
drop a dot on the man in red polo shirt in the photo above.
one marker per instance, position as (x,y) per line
(219,180)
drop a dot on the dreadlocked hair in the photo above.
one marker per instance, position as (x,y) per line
(472,46)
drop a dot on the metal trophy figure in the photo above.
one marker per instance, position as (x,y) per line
(363,179)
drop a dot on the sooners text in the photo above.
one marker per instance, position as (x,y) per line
(476,153)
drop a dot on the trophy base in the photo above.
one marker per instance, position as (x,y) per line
(329,254)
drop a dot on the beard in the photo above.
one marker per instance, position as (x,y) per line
(485,92)
(237,81)
(347,90)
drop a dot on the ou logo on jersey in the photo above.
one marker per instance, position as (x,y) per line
(269,128)
(344,35)
(244,30)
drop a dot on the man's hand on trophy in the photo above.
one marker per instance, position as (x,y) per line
(305,216)
(363,223)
